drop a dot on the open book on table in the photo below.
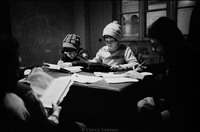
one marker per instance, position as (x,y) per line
(48,89)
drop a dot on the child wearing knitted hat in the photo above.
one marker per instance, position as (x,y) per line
(72,54)
(118,56)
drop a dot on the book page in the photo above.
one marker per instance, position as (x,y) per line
(56,91)
(48,89)
(39,81)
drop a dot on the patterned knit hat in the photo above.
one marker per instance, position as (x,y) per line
(71,41)
(113,29)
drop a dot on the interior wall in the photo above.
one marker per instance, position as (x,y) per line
(100,16)
(40,27)
(79,21)
(90,18)
(5,26)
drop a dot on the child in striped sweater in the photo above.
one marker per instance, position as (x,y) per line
(118,56)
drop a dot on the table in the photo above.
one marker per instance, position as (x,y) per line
(99,104)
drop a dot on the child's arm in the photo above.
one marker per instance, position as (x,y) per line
(130,59)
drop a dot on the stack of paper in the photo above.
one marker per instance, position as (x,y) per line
(129,76)
(111,77)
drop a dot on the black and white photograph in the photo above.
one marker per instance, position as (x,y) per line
(99,65)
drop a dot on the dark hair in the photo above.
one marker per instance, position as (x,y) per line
(166,31)
(194,28)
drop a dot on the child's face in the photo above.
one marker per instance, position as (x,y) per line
(111,43)
(71,54)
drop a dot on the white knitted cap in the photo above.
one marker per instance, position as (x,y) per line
(113,29)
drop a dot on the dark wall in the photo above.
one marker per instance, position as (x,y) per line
(40,27)
(5,26)
(100,16)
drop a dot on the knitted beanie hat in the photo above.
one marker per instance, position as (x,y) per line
(71,41)
(113,29)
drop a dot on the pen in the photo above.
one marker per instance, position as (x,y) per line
(139,65)
(116,63)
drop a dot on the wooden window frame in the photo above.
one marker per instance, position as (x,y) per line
(171,12)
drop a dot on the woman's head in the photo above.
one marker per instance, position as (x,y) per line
(165,35)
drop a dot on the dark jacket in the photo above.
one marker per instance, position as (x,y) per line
(79,60)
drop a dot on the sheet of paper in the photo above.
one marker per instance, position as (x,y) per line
(85,79)
(52,66)
(112,77)
(134,74)
(108,75)
(74,69)
(56,91)
(146,73)
(120,80)
(129,76)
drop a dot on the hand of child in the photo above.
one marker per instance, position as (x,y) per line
(116,67)
(60,62)
(56,108)
(141,68)
(146,104)
(54,117)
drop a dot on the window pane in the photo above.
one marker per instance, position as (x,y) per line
(157,6)
(152,16)
(130,24)
(130,6)
(184,3)
(184,19)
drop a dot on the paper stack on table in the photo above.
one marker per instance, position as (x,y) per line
(129,76)
(85,79)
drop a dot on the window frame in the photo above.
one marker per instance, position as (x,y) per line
(171,12)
